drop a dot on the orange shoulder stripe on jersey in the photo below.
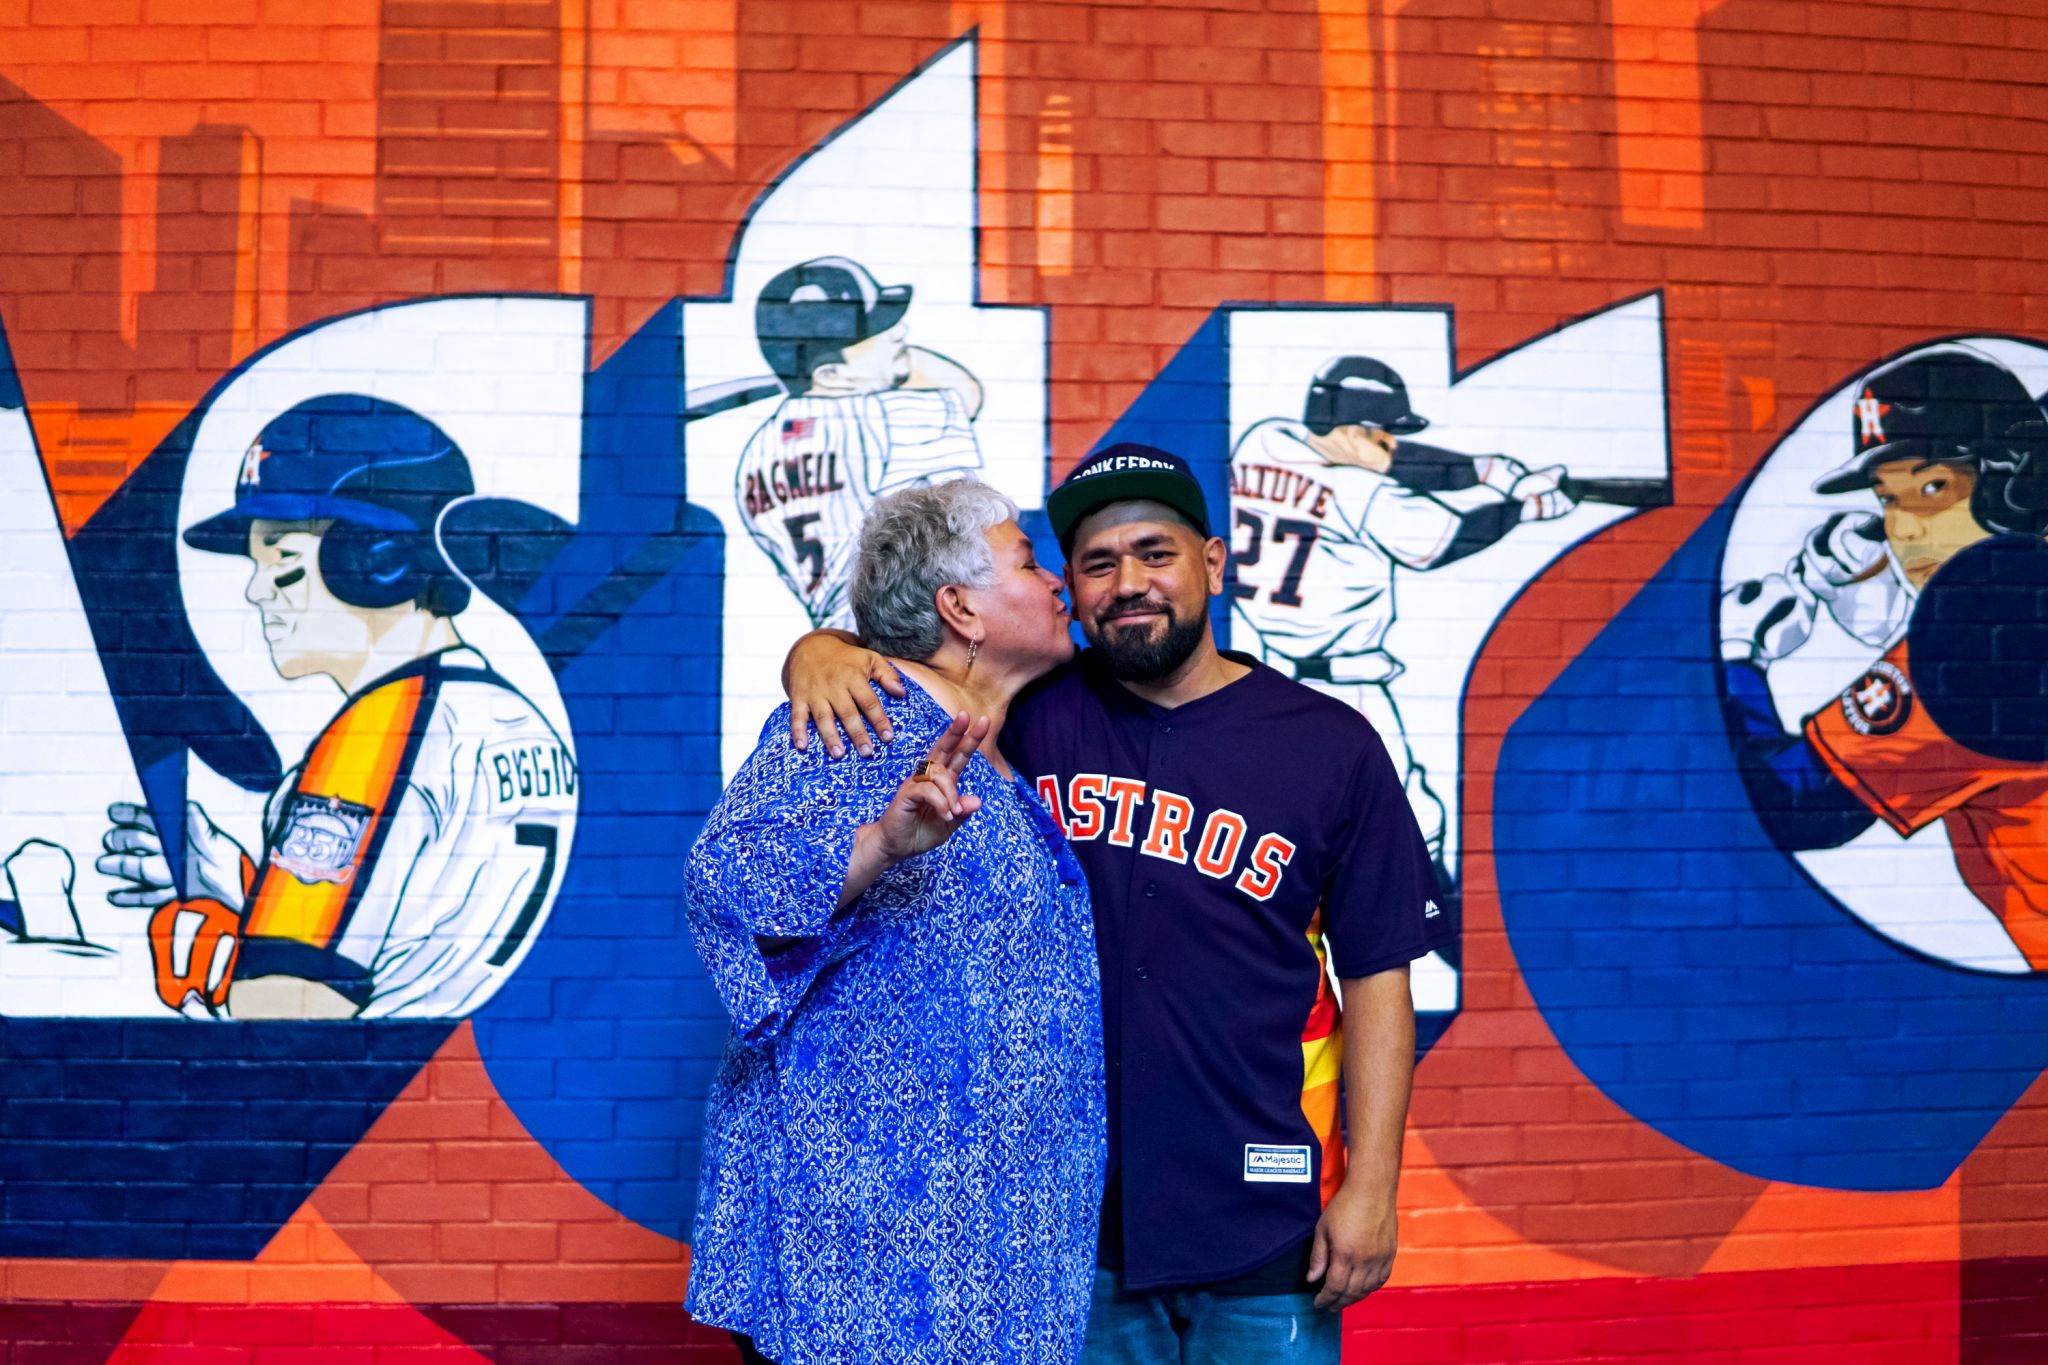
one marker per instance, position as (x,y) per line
(357,760)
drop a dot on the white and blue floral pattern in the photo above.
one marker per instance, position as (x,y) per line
(904,1150)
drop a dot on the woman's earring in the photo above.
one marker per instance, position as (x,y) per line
(973,648)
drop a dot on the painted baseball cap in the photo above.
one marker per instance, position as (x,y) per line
(1942,405)
(1126,472)
(345,457)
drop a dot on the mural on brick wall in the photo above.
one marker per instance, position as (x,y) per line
(1345,524)
(1842,741)
(410,849)
(353,729)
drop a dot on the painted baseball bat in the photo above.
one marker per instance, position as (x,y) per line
(734,393)
(1618,492)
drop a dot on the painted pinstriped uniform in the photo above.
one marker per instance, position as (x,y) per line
(809,475)
(1239,848)
(412,857)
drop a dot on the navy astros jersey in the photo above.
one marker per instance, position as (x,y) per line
(1229,844)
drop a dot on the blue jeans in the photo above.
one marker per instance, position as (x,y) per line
(1191,1327)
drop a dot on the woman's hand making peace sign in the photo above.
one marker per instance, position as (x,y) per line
(924,812)
(928,807)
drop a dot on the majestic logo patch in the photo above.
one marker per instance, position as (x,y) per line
(1276,1165)
(1879,702)
(321,835)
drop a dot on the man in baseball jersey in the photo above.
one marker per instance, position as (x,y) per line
(1324,509)
(866,413)
(1246,840)
(410,858)
(1946,724)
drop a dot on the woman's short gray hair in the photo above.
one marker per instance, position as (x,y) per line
(913,543)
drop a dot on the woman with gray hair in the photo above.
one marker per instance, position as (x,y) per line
(905,1145)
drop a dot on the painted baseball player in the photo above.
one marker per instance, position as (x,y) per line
(1323,512)
(1866,568)
(866,413)
(410,858)
(1946,724)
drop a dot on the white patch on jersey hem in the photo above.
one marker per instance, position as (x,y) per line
(1268,1165)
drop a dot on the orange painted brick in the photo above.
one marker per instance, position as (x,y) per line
(1283,180)
(437,1203)
(321,80)
(1158,175)
(544,1201)
(1147,27)
(499,1241)
(1212,213)
(1068,62)
(901,18)
(1136,99)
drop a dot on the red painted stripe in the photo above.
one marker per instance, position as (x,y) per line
(1847,1315)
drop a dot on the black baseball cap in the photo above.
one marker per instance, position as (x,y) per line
(1126,472)
(1947,405)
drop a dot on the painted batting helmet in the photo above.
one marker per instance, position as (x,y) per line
(809,314)
(380,473)
(1356,390)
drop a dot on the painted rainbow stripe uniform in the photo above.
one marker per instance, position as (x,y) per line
(411,859)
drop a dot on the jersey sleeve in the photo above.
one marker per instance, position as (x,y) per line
(762,884)
(924,433)
(297,927)
(1878,740)
(1421,530)
(328,836)
(1380,907)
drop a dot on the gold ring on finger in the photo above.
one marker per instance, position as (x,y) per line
(923,768)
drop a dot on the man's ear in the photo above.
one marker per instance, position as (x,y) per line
(1216,556)
(829,375)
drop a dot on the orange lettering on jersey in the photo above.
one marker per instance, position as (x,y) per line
(1269,864)
(1049,792)
(1084,797)
(1166,836)
(1222,838)
(331,815)
(1127,793)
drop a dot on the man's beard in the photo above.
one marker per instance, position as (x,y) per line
(1144,658)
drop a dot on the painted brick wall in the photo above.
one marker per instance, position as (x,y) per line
(1700,1083)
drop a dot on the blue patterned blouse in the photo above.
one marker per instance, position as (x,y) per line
(905,1144)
